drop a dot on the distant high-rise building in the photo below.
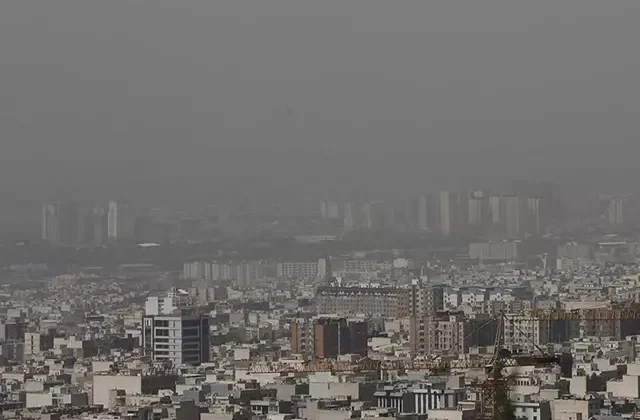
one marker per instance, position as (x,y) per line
(496,210)
(421,310)
(499,251)
(333,210)
(303,337)
(329,210)
(331,334)
(447,212)
(379,302)
(326,337)
(100,226)
(373,215)
(615,211)
(60,223)
(323,210)
(513,215)
(196,270)
(334,336)
(297,270)
(51,223)
(411,213)
(477,208)
(552,198)
(120,221)
(325,271)
(423,212)
(460,210)
(534,218)
(351,216)
(84,232)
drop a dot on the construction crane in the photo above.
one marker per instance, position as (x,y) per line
(603,312)
(493,392)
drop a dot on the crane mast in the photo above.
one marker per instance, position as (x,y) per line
(494,403)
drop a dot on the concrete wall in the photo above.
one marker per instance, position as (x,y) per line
(36,400)
(102,384)
(628,387)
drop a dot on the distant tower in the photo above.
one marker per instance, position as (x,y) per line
(496,209)
(100,226)
(325,272)
(477,208)
(615,212)
(513,215)
(544,258)
(423,211)
(60,223)
(120,221)
(333,210)
(445,213)
(373,215)
(351,217)
(533,215)
(421,310)
(51,223)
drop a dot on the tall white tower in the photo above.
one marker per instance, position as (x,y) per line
(445,213)
(120,221)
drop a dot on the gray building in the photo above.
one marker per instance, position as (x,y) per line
(181,338)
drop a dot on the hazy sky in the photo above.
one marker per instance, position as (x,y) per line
(180,98)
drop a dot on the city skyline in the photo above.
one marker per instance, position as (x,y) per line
(319,210)
(382,100)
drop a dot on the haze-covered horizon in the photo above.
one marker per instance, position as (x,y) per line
(187,100)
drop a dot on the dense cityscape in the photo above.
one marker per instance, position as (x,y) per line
(448,306)
(319,210)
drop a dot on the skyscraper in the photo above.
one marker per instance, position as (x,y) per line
(333,210)
(534,219)
(513,215)
(325,271)
(477,208)
(615,211)
(100,226)
(373,215)
(84,231)
(120,221)
(411,213)
(51,223)
(351,216)
(496,210)
(60,223)
(422,308)
(446,212)
(323,210)
(423,212)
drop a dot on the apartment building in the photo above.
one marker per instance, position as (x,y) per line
(298,270)
(382,302)
(181,338)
